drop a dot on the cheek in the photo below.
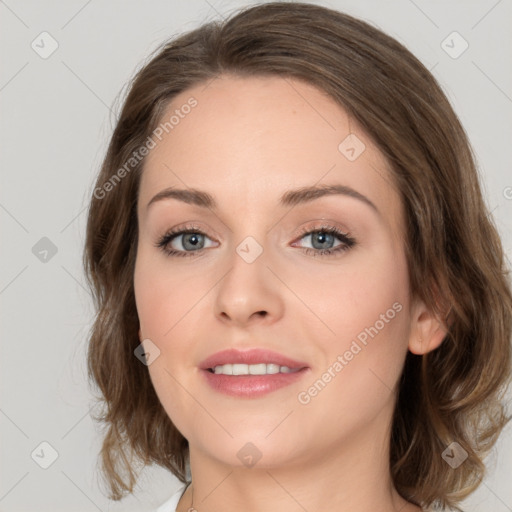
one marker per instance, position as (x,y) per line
(356,379)
(162,297)
(377,313)
(165,303)
(364,306)
(355,295)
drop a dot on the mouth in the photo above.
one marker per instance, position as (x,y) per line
(251,373)
(251,369)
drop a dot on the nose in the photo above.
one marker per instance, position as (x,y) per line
(249,292)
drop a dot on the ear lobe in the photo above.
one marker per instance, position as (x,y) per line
(140,336)
(427,331)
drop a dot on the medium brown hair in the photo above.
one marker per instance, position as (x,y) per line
(455,258)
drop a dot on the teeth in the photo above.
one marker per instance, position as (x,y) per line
(251,369)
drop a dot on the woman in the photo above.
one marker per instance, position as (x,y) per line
(302,300)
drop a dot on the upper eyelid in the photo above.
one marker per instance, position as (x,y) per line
(302,231)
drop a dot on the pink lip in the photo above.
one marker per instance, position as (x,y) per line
(250,386)
(252,356)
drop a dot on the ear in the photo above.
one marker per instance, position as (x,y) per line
(140,336)
(427,330)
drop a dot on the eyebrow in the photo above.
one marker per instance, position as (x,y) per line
(290,198)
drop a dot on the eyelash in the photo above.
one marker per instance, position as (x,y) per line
(348,241)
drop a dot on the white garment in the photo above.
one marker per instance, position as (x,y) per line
(171,504)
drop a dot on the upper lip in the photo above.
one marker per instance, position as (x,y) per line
(251,356)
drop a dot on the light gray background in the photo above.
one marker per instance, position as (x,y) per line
(56,118)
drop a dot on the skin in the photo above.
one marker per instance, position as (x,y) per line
(248,141)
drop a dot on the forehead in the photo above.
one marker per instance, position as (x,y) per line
(251,139)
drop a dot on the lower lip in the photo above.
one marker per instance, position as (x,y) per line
(251,386)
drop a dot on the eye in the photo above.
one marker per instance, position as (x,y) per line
(323,238)
(186,242)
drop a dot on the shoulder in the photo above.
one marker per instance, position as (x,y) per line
(171,504)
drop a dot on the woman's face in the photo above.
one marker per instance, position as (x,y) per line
(254,276)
